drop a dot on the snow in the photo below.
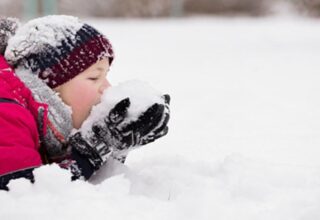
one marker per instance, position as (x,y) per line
(141,96)
(35,31)
(244,129)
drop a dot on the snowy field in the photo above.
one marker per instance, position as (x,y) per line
(244,140)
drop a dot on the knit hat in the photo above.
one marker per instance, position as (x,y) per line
(57,48)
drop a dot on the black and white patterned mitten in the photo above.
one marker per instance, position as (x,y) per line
(116,133)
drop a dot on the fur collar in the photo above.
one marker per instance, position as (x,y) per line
(59,123)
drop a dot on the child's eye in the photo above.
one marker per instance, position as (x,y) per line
(93,78)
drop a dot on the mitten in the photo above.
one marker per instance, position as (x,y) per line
(117,133)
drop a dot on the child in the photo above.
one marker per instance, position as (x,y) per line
(53,70)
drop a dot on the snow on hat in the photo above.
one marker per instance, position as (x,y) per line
(57,48)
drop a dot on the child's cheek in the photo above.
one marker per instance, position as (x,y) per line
(87,96)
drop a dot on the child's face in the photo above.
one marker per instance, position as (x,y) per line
(84,91)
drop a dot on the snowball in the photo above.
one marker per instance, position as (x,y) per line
(141,95)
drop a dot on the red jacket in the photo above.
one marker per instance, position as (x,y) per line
(19,135)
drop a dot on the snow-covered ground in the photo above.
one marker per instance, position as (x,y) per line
(244,137)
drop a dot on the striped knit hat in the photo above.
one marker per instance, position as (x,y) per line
(57,48)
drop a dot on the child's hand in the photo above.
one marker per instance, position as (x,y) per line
(150,125)
(118,133)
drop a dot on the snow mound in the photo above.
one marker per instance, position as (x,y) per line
(170,188)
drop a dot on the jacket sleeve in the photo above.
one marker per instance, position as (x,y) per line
(19,141)
(5,179)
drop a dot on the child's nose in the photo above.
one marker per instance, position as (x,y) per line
(104,86)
